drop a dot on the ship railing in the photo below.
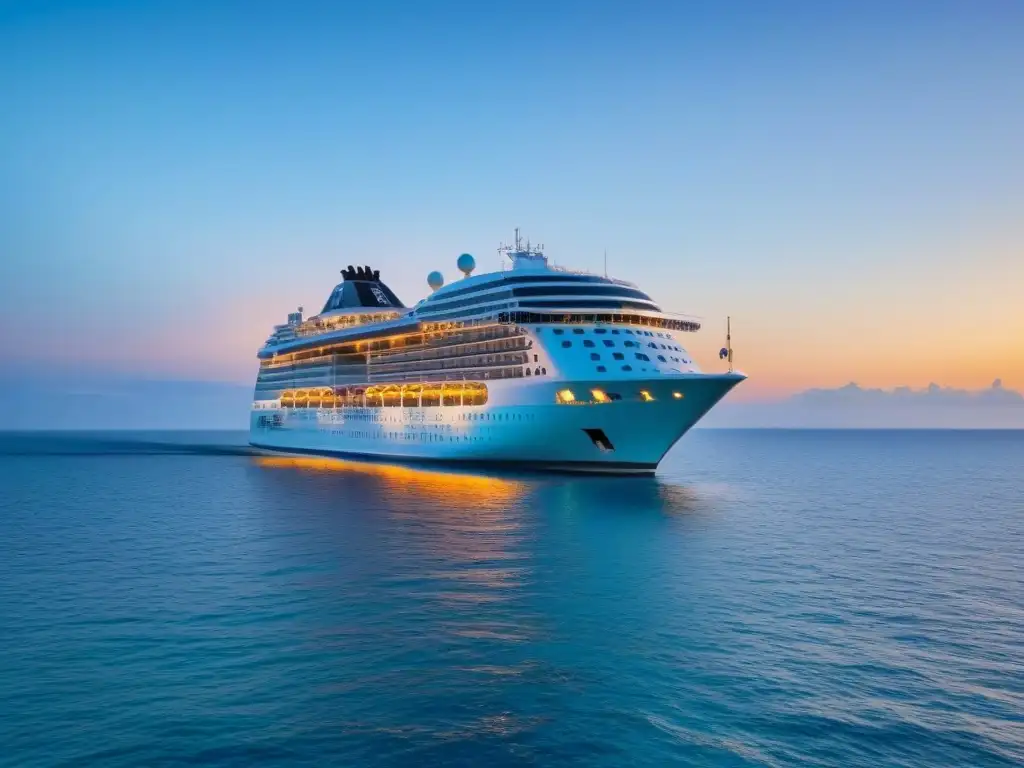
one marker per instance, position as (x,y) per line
(636,317)
(494,371)
(589,273)
(684,316)
(315,328)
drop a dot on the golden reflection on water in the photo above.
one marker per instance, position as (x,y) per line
(466,527)
(465,543)
(472,498)
(451,487)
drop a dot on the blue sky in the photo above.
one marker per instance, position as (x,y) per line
(845,180)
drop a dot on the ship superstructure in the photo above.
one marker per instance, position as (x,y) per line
(533,365)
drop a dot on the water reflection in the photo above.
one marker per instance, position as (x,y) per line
(477,496)
(451,487)
(493,574)
(453,546)
(640,496)
(464,539)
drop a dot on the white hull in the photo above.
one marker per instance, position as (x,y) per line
(521,425)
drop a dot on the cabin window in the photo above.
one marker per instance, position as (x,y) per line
(566,344)
(588,343)
(601,369)
(618,356)
(595,356)
(608,342)
(627,367)
(578,331)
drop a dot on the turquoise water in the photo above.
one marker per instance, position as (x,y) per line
(770,598)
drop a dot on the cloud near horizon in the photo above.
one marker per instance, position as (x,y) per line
(853,406)
(853,393)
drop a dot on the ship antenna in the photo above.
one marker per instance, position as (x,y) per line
(728,339)
(606,262)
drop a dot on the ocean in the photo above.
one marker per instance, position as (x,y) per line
(769,598)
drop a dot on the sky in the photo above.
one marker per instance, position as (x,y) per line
(845,180)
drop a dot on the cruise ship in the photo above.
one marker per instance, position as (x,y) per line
(533,366)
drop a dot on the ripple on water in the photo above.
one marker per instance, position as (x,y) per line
(769,599)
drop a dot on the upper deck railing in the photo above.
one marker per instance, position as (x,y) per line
(314,327)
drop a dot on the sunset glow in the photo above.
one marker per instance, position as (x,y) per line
(855,221)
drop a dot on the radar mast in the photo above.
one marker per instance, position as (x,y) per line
(524,255)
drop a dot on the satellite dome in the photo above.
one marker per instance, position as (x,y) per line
(466,264)
(435,280)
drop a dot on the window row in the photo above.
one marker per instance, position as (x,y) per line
(464,374)
(459,361)
(620,356)
(569,397)
(613,331)
(419,395)
(627,343)
(638,356)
